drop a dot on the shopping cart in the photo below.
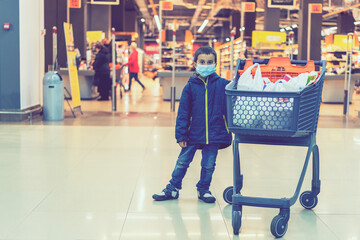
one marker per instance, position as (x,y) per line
(274,118)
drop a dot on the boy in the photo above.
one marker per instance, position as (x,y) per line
(200,124)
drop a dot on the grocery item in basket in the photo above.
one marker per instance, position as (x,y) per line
(287,84)
(248,82)
(280,86)
(303,80)
(287,77)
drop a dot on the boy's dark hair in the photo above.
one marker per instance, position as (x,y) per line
(204,50)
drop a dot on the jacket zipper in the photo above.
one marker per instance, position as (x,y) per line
(190,123)
(227,129)
(206,112)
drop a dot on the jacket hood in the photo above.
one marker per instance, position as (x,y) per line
(195,78)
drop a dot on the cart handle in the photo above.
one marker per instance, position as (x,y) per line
(241,64)
(266,61)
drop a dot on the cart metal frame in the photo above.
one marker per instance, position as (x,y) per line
(301,132)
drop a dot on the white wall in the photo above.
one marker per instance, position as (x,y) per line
(31,52)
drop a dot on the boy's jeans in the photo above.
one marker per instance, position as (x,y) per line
(209,153)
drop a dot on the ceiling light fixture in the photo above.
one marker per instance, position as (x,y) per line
(203,25)
(357,23)
(157,20)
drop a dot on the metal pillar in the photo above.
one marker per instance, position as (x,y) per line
(68,11)
(291,45)
(113,89)
(173,93)
(232,34)
(348,66)
(160,34)
(54,52)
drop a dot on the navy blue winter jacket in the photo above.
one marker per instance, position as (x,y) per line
(101,63)
(201,116)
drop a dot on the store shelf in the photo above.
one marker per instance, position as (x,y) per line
(354,52)
(335,60)
(183,54)
(271,49)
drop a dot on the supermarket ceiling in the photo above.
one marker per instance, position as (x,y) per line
(190,14)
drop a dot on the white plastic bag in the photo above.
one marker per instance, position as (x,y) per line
(247,82)
(294,84)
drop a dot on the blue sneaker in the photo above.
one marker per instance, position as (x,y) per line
(170,192)
(206,196)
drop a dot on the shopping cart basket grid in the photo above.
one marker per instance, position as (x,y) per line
(274,118)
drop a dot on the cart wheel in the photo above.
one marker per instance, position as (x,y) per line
(236,221)
(278,226)
(308,200)
(228,193)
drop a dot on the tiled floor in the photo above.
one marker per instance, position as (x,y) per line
(92,178)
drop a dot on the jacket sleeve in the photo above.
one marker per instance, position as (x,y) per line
(225,82)
(184,114)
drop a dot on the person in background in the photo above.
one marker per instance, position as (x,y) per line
(200,124)
(77,57)
(102,71)
(108,44)
(133,65)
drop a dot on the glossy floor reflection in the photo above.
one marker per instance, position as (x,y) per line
(96,182)
(92,177)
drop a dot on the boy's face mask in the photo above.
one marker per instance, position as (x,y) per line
(205,64)
(205,70)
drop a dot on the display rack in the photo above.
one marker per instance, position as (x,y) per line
(224,53)
(261,51)
(336,61)
(182,56)
(335,56)
(265,53)
(268,44)
(295,51)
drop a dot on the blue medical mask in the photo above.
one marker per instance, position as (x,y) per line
(205,70)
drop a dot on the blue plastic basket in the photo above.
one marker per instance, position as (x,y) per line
(290,114)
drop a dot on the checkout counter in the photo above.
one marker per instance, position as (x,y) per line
(86,80)
(333,90)
(181,78)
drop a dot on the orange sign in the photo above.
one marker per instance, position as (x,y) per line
(315,8)
(248,6)
(167,5)
(74,3)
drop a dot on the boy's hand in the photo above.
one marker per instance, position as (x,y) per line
(183,144)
